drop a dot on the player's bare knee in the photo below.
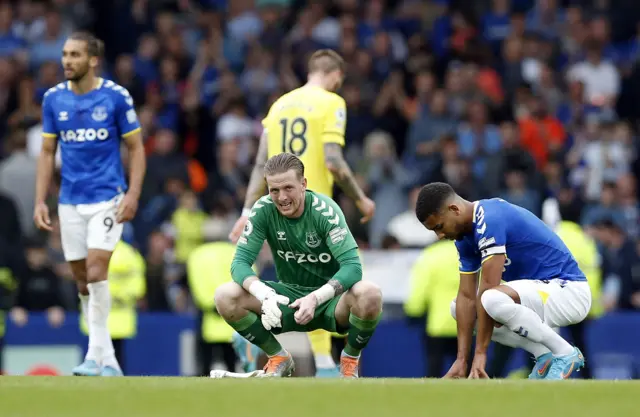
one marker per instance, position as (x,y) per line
(96,272)
(227,299)
(368,300)
(97,265)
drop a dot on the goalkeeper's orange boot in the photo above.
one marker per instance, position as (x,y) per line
(279,366)
(349,366)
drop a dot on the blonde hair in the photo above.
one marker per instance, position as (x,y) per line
(325,61)
(283,162)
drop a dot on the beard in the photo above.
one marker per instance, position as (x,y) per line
(78,74)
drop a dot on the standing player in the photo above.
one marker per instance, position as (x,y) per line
(544,287)
(318,268)
(309,122)
(88,116)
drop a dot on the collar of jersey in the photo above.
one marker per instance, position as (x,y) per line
(99,86)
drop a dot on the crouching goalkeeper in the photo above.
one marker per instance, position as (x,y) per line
(318,268)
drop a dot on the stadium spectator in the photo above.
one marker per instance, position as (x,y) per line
(39,288)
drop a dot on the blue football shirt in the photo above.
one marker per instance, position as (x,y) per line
(532,249)
(89,128)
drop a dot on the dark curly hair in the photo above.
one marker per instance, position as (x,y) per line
(431,199)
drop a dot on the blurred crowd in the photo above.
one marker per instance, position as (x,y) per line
(534,101)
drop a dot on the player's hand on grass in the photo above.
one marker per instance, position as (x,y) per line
(367,207)
(127,209)
(306,308)
(41,217)
(271,314)
(236,232)
(478,367)
(458,370)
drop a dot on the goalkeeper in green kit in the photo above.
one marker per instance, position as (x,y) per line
(319,273)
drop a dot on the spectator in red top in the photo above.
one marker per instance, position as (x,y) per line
(541,133)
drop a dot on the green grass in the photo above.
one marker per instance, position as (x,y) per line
(302,397)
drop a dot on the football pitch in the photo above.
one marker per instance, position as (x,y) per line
(303,397)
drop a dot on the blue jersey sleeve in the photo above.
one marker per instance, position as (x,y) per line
(48,117)
(469,260)
(126,117)
(490,233)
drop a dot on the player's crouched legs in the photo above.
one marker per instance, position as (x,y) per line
(232,301)
(359,309)
(239,309)
(505,336)
(500,303)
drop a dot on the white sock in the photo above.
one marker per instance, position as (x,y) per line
(324,362)
(523,321)
(100,345)
(346,354)
(84,302)
(505,336)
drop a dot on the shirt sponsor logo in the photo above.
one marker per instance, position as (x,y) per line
(301,258)
(84,135)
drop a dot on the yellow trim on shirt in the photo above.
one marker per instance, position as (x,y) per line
(49,135)
(487,258)
(136,130)
(470,273)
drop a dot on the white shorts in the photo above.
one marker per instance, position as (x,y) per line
(89,226)
(558,302)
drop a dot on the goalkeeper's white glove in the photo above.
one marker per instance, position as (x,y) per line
(271,316)
(271,313)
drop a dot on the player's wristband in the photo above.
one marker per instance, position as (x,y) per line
(324,293)
(260,290)
(246,212)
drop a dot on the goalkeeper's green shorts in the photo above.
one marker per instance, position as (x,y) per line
(324,317)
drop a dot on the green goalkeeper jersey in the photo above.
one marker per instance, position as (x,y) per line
(308,251)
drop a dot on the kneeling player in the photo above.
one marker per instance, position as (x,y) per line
(317,264)
(544,288)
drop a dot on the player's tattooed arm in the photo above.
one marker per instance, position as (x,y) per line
(257,184)
(336,164)
(338,288)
